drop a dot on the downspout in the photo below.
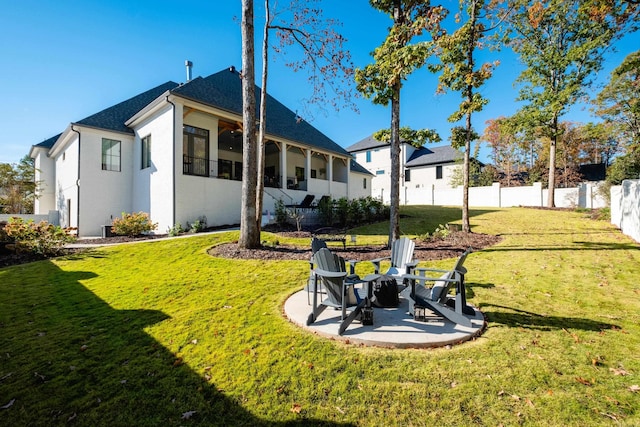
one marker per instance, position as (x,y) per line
(173,147)
(77,186)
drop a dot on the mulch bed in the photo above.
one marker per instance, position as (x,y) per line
(435,249)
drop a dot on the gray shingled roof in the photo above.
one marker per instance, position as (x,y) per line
(357,167)
(434,155)
(367,143)
(48,143)
(224,90)
(113,118)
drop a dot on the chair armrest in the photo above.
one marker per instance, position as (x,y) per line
(376,263)
(423,269)
(370,277)
(352,266)
(330,274)
(427,279)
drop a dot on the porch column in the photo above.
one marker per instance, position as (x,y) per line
(307,171)
(283,165)
(330,174)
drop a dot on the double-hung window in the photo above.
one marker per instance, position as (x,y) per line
(438,172)
(111,155)
(146,152)
(368,156)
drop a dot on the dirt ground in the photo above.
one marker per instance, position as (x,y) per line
(450,247)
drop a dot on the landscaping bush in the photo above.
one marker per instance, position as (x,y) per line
(133,224)
(198,225)
(39,238)
(281,213)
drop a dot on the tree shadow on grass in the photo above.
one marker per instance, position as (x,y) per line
(68,357)
(515,318)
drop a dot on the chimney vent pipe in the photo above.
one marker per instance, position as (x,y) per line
(189,65)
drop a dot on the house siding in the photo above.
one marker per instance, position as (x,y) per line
(104,194)
(45,180)
(153,186)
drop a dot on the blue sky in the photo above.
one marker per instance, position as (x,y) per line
(63,61)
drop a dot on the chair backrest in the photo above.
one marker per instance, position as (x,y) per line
(317,244)
(441,288)
(402,253)
(327,260)
(306,202)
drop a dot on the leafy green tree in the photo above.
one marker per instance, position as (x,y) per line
(17,187)
(619,101)
(461,74)
(394,61)
(561,43)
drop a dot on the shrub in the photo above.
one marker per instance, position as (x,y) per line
(175,230)
(133,224)
(325,211)
(281,213)
(198,225)
(41,238)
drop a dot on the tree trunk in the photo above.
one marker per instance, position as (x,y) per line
(466,226)
(552,165)
(263,119)
(249,234)
(394,217)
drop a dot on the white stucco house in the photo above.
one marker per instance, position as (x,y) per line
(422,170)
(175,152)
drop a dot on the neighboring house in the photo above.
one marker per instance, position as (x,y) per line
(422,169)
(175,152)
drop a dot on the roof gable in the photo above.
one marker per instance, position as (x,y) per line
(224,90)
(114,118)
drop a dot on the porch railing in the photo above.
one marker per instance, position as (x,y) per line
(221,169)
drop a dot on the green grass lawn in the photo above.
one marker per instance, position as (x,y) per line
(161,333)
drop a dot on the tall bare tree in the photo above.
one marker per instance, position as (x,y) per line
(249,232)
(301,24)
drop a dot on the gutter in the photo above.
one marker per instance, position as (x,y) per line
(77,185)
(173,149)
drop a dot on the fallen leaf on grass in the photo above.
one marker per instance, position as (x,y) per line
(8,405)
(634,388)
(72,417)
(609,415)
(187,415)
(340,410)
(529,402)
(584,381)
(617,371)
(296,408)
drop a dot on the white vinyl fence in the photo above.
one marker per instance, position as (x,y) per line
(586,195)
(625,207)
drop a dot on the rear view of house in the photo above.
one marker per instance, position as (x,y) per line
(175,152)
(422,170)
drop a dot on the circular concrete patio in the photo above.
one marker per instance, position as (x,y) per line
(392,327)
